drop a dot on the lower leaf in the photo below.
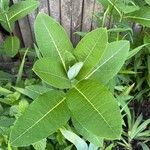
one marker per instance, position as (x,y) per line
(95,108)
(44,116)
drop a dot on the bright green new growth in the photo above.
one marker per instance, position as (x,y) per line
(90,103)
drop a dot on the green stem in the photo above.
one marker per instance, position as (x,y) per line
(8,23)
(105,17)
(20,72)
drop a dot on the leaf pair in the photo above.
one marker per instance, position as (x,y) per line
(15,12)
(91,51)
(89,103)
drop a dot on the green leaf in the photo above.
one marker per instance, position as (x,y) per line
(6,122)
(33,91)
(117,7)
(93,147)
(111,4)
(135,51)
(96,140)
(11,46)
(127,7)
(147,42)
(4,91)
(40,145)
(141,16)
(52,39)
(42,118)
(79,143)
(21,9)
(4,76)
(144,146)
(111,62)
(74,70)
(147,1)
(90,49)
(51,71)
(4,5)
(95,108)
(6,24)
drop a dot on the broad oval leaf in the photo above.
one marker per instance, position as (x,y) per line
(90,49)
(74,70)
(43,117)
(51,71)
(21,9)
(96,109)
(111,62)
(141,16)
(52,39)
(11,46)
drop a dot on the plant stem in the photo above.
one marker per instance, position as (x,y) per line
(20,72)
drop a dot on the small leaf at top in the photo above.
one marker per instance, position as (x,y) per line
(74,70)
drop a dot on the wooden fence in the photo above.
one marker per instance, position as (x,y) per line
(74,15)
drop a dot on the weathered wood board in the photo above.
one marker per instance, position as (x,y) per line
(74,15)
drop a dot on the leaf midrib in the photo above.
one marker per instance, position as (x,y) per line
(39,120)
(83,95)
(44,72)
(93,48)
(112,56)
(57,49)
